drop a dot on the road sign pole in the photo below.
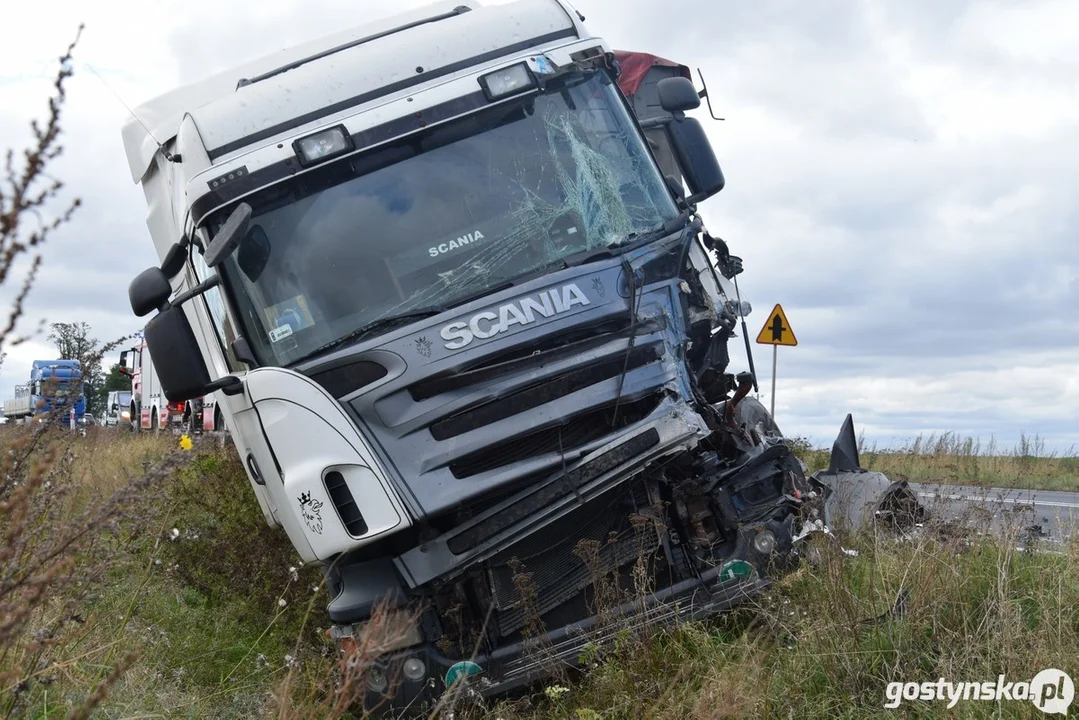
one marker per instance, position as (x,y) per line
(775,351)
(776,331)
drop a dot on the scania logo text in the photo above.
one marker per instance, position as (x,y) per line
(487,324)
(466,239)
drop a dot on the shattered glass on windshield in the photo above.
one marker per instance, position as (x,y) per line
(460,210)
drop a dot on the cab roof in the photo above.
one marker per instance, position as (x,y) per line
(288,88)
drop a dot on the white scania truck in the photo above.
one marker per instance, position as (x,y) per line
(446,277)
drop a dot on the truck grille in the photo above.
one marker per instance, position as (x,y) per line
(570,435)
(549,493)
(517,360)
(461,428)
(536,395)
(551,570)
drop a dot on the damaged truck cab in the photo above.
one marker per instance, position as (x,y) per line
(446,276)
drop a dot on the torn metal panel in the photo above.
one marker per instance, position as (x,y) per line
(860,498)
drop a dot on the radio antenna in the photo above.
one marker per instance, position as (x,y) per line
(575,10)
(168,156)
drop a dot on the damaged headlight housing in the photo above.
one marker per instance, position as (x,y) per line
(733,307)
(387,636)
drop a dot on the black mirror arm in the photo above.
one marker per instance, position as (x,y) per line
(199,289)
(654,122)
(230,385)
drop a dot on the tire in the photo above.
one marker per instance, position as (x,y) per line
(153,422)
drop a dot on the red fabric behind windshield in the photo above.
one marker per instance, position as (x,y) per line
(635,66)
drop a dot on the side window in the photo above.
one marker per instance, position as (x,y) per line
(215,306)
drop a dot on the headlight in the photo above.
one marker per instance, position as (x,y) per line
(507,81)
(125,415)
(323,145)
(765,542)
(414,669)
(376,680)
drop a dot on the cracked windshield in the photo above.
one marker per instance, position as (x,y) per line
(434,220)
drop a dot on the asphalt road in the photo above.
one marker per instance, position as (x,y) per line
(1048,514)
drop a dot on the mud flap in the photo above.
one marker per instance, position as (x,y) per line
(860,498)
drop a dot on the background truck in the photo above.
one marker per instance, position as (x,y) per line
(452,291)
(149,407)
(55,387)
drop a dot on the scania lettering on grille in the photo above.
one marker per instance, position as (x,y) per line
(525,311)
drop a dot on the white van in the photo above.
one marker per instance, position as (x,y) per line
(117,409)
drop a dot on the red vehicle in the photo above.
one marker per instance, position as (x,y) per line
(150,410)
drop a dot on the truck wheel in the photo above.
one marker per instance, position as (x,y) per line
(153,421)
(219,422)
(135,418)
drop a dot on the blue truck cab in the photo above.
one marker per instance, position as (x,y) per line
(55,387)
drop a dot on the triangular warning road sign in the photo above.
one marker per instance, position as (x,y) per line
(776,330)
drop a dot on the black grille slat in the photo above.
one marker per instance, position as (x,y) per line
(552,491)
(342,499)
(535,354)
(570,435)
(344,379)
(545,392)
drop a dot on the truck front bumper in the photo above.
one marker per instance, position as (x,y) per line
(391,689)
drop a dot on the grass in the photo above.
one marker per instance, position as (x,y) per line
(189,577)
(954,460)
(809,649)
(209,613)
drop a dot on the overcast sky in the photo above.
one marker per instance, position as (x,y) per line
(901,177)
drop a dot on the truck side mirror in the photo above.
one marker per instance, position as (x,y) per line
(676,95)
(177,360)
(228,237)
(123,363)
(174,260)
(149,291)
(175,353)
(696,158)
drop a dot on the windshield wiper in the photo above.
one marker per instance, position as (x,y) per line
(631,241)
(383,323)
